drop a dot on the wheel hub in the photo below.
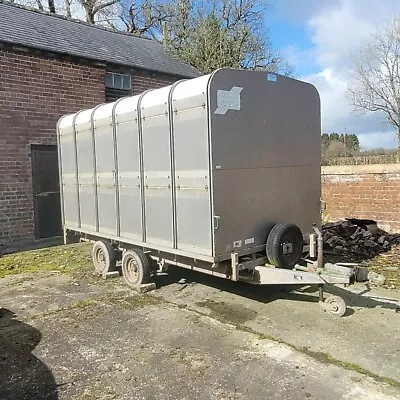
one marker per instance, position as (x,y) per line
(287,248)
(100,256)
(132,270)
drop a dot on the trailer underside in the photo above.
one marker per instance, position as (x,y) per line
(252,268)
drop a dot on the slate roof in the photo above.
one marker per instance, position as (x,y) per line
(46,32)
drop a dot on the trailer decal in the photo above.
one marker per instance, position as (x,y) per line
(228,100)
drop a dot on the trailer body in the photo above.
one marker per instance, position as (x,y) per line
(202,169)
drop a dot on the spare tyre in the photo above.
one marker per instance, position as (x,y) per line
(284,245)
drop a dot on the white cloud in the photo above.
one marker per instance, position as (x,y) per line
(337,113)
(381,139)
(337,28)
(336,33)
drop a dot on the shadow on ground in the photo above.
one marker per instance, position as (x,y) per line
(23,376)
(269,293)
(31,245)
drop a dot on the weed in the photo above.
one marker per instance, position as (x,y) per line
(66,258)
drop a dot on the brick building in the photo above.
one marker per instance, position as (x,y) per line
(50,66)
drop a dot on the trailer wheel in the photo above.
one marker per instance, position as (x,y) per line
(136,268)
(103,257)
(335,306)
(284,245)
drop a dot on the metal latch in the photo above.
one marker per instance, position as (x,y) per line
(216,222)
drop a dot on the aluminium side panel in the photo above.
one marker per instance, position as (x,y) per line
(68,181)
(192,167)
(86,173)
(158,197)
(106,169)
(265,134)
(128,163)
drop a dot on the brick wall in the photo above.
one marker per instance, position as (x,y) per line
(363,191)
(35,90)
(147,80)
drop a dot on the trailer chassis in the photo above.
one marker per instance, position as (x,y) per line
(251,268)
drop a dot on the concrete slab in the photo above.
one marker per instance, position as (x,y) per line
(368,336)
(67,338)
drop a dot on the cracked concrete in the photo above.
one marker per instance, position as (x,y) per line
(72,338)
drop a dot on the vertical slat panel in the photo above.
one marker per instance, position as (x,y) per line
(157,168)
(127,140)
(106,180)
(60,174)
(86,181)
(192,174)
(68,166)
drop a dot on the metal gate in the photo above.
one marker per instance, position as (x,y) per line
(46,191)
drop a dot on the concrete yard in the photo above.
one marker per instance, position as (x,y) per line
(70,335)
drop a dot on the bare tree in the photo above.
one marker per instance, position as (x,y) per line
(48,5)
(68,8)
(93,8)
(375,76)
(39,5)
(146,17)
(222,33)
(207,34)
(51,5)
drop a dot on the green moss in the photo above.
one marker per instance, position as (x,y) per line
(328,359)
(132,302)
(66,258)
(319,356)
(79,305)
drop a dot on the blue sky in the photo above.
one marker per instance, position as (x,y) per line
(286,35)
(318,37)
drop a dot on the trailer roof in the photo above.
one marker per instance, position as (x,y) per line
(46,32)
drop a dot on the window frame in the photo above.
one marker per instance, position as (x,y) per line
(123,77)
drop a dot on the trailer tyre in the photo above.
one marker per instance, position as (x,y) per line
(136,268)
(104,257)
(284,245)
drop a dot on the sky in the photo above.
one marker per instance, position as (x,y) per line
(318,37)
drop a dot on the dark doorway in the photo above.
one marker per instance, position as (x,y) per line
(46,191)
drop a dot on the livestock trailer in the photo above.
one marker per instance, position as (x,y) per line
(219,174)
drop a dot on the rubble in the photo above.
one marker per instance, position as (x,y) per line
(361,237)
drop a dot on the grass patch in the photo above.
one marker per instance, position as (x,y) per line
(65,258)
(132,302)
(80,305)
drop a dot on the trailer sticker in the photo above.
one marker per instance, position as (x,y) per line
(249,241)
(238,243)
(228,100)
